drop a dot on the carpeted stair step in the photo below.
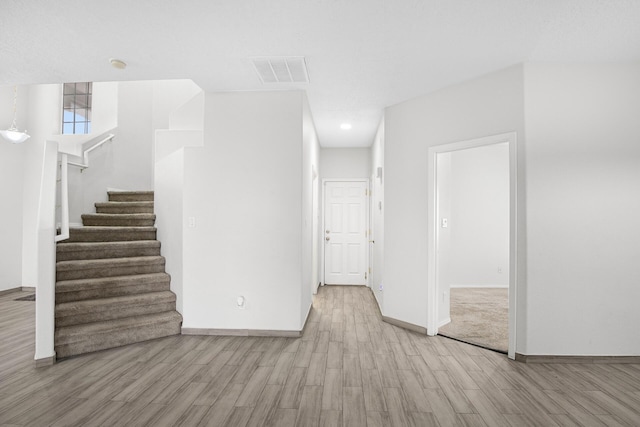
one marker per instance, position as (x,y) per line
(99,250)
(112,289)
(110,234)
(124,207)
(79,339)
(93,268)
(119,220)
(107,287)
(130,196)
(102,309)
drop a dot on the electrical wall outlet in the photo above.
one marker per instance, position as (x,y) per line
(241,303)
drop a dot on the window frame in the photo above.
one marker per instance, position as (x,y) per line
(79,102)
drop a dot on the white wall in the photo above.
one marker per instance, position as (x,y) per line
(244,190)
(43,121)
(345,162)
(168,207)
(169,184)
(489,105)
(583,205)
(377,215)
(173,100)
(12,158)
(168,96)
(577,268)
(104,117)
(310,210)
(479,217)
(127,162)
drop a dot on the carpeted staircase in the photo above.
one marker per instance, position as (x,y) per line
(111,287)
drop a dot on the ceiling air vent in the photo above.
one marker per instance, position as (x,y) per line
(281,69)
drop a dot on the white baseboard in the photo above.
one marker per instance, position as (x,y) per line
(241,332)
(444,322)
(576,359)
(71,224)
(45,361)
(480,286)
(405,325)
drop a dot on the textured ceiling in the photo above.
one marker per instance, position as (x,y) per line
(362,55)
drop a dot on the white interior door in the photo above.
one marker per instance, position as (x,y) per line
(345,233)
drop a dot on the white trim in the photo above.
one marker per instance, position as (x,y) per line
(241,332)
(466,286)
(432,244)
(64,199)
(315,232)
(322,234)
(405,325)
(370,236)
(46,255)
(71,224)
(444,322)
(45,361)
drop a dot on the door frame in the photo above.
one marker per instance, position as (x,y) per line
(432,236)
(321,235)
(315,239)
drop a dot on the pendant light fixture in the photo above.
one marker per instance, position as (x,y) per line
(12,134)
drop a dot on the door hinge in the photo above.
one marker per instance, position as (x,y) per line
(369,270)
(366,192)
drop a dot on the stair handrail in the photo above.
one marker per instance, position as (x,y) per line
(64,184)
(85,153)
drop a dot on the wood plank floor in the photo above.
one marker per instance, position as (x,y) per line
(349,369)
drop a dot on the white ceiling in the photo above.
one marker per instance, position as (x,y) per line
(362,55)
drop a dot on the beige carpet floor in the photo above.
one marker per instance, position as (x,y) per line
(479,316)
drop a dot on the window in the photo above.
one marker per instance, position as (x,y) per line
(76,105)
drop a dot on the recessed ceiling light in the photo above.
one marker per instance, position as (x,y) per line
(345,126)
(117,63)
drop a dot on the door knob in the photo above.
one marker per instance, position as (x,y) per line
(327,238)
(327,231)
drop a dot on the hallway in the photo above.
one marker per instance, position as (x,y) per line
(349,368)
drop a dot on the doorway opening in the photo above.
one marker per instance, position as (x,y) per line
(472,259)
(345,232)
